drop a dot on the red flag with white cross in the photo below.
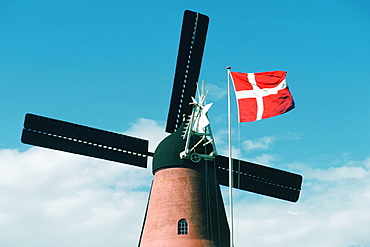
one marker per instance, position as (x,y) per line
(261,95)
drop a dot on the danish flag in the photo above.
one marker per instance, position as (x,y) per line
(261,95)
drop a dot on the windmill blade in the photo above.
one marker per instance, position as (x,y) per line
(259,179)
(78,139)
(189,59)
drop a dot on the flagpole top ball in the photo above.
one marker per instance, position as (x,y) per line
(228,67)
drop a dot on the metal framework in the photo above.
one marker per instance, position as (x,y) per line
(198,125)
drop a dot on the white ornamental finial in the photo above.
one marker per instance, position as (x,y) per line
(199,125)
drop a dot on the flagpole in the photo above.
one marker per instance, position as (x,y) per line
(230,158)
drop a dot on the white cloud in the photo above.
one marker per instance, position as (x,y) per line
(217,92)
(147,129)
(51,198)
(337,173)
(265,159)
(292,136)
(332,211)
(261,143)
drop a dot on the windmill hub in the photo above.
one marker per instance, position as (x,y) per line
(195,158)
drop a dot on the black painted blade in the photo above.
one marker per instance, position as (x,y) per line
(260,179)
(189,60)
(78,139)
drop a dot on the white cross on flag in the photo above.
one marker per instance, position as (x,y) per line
(261,95)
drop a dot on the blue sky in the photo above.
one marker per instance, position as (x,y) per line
(110,65)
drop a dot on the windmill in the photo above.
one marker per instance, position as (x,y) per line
(185,206)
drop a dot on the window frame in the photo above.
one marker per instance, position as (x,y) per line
(182,227)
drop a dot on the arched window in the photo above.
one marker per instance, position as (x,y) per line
(182,228)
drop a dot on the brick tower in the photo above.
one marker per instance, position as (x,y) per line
(185,206)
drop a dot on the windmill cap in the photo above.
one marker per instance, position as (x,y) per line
(167,153)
